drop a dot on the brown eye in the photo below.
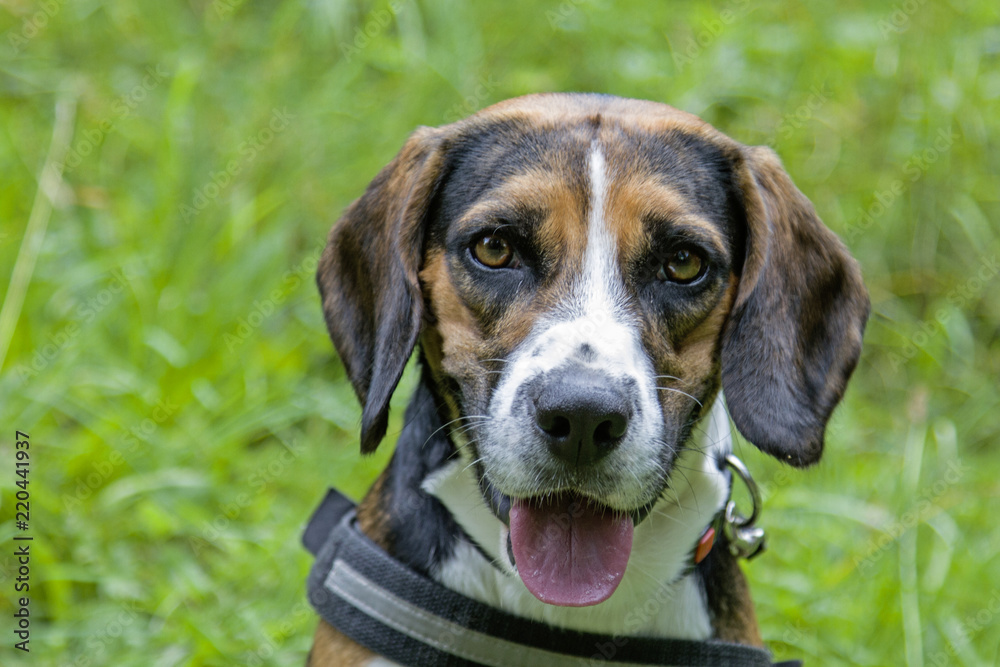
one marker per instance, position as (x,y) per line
(682,266)
(493,251)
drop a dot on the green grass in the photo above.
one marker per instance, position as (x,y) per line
(186,409)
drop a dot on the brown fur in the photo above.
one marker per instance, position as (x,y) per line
(333,649)
(729,601)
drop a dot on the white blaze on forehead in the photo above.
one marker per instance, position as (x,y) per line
(598,236)
(599,288)
(594,314)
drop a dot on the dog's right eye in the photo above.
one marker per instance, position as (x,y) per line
(494,252)
(683,266)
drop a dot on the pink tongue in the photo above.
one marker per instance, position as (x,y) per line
(569,551)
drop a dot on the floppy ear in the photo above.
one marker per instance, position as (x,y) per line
(794,334)
(368,278)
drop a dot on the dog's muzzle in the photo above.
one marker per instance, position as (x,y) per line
(570,549)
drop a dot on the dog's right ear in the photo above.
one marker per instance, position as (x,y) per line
(368,277)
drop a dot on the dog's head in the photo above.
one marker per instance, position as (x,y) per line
(582,273)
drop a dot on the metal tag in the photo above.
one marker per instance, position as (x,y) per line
(745,539)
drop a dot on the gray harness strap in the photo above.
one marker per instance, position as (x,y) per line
(382,604)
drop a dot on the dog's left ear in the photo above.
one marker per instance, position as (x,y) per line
(368,277)
(794,334)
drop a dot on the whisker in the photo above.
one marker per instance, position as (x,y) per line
(447,424)
(673,377)
(472,464)
(465,429)
(681,392)
(660,512)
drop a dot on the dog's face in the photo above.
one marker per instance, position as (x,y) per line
(583,272)
(579,276)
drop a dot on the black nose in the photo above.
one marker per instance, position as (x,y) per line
(582,414)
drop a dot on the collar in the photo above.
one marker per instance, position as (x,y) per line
(396,612)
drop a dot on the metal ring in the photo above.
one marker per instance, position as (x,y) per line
(731,515)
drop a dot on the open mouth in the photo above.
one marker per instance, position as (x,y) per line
(569,550)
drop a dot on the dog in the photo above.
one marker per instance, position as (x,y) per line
(590,283)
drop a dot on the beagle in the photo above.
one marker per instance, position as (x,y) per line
(584,277)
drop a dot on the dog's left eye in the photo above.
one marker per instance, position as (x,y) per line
(494,252)
(683,266)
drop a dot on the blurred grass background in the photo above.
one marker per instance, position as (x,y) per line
(185,406)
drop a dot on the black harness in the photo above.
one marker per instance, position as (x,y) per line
(406,617)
